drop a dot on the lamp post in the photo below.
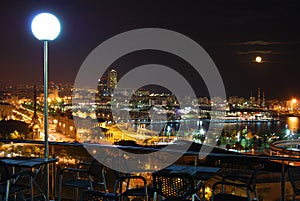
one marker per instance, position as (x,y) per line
(45,27)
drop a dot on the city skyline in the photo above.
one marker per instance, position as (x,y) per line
(233,34)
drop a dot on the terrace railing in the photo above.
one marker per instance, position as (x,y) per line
(70,154)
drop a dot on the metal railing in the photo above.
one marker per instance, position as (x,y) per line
(211,159)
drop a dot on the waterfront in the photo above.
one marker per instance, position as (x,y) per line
(261,133)
(271,127)
(70,154)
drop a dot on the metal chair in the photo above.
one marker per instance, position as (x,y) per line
(173,186)
(91,195)
(130,190)
(247,182)
(294,176)
(87,176)
(13,184)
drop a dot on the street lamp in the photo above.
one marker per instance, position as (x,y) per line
(293,104)
(45,27)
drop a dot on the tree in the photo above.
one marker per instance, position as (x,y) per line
(196,137)
(238,146)
(244,143)
(14,135)
(219,143)
(202,138)
(14,127)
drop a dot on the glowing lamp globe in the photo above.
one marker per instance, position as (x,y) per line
(45,26)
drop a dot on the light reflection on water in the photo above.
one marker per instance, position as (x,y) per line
(293,123)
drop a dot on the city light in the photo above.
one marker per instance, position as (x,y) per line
(294,104)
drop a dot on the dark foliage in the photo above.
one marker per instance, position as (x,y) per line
(9,126)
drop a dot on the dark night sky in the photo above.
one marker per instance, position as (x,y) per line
(233,32)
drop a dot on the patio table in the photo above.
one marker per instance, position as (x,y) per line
(199,173)
(35,165)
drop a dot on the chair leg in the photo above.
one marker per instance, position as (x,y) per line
(256,194)
(223,189)
(212,195)
(7,190)
(103,179)
(146,192)
(31,188)
(155,196)
(249,195)
(76,194)
(60,188)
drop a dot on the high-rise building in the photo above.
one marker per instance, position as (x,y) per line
(35,123)
(102,89)
(263,104)
(112,79)
(258,97)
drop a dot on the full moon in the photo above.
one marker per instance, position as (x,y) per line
(258,59)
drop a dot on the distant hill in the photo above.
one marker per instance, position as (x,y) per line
(7,127)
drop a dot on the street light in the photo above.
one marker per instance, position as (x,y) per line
(293,104)
(45,27)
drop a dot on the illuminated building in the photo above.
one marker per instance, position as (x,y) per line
(5,111)
(292,105)
(102,89)
(66,126)
(53,94)
(112,80)
(35,122)
(258,97)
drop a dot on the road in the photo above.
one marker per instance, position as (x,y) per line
(53,135)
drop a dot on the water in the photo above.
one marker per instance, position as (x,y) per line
(260,128)
(292,124)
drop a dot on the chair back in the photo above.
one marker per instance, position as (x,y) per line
(90,195)
(173,186)
(294,176)
(4,173)
(95,168)
(252,179)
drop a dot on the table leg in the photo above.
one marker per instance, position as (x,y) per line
(282,182)
(31,187)
(33,183)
